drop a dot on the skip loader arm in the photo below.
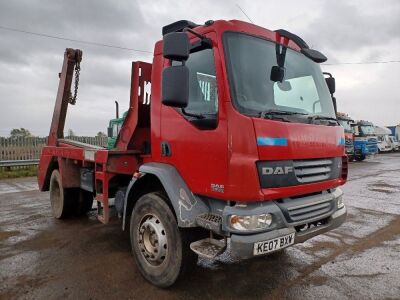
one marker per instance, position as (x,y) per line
(72,59)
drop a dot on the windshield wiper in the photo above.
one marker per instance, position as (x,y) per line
(319,117)
(271,113)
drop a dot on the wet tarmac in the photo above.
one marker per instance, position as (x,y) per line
(43,258)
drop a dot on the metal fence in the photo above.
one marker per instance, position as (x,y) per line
(24,151)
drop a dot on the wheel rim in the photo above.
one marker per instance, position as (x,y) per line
(55,198)
(152,238)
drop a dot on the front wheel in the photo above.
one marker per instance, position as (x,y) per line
(160,248)
(360,157)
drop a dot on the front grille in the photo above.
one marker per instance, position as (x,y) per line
(282,173)
(307,208)
(312,170)
(349,142)
(310,211)
(372,148)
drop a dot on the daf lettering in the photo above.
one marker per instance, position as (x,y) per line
(277,170)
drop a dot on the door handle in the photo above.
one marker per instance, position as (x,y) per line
(165,149)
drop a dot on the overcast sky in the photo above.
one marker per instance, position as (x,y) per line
(346,31)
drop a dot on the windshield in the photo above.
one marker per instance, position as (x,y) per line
(250,60)
(346,125)
(367,129)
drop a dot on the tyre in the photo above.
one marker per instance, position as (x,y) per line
(61,199)
(160,248)
(84,202)
(360,158)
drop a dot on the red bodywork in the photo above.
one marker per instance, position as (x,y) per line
(225,156)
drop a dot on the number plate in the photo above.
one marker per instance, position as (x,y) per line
(273,245)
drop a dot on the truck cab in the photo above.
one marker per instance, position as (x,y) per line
(114,127)
(394,143)
(385,144)
(345,121)
(365,140)
(237,143)
(395,136)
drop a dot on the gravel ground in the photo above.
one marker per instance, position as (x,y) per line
(43,258)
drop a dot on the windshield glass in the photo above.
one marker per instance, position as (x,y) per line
(367,129)
(346,125)
(250,60)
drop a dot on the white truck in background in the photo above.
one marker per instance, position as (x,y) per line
(395,136)
(395,143)
(384,142)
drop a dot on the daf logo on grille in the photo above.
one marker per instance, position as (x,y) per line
(277,170)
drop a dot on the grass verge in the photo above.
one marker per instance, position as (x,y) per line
(15,172)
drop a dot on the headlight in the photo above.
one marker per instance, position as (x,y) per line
(248,223)
(340,203)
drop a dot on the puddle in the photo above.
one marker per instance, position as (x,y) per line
(7,234)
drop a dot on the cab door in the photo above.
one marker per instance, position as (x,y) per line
(196,149)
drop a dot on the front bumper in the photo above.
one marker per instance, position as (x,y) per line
(299,216)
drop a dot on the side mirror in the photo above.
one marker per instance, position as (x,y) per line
(175,86)
(330,82)
(176,46)
(109,132)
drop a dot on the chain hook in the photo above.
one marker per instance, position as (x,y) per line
(78,58)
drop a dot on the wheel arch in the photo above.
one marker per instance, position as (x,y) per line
(49,165)
(165,178)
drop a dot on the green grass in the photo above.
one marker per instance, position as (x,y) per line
(18,172)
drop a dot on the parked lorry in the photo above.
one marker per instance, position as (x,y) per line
(345,121)
(395,135)
(395,143)
(365,140)
(238,143)
(114,127)
(385,144)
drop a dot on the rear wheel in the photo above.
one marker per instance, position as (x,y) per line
(160,248)
(85,202)
(61,199)
(68,201)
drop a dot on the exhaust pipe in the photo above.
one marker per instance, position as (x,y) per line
(116,109)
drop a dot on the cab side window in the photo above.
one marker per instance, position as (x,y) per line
(203,94)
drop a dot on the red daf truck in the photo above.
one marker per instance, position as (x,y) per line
(230,141)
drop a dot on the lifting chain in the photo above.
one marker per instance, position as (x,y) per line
(72,99)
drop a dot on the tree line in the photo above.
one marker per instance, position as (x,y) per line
(25,133)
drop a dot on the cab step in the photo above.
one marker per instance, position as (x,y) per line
(208,247)
(210,221)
